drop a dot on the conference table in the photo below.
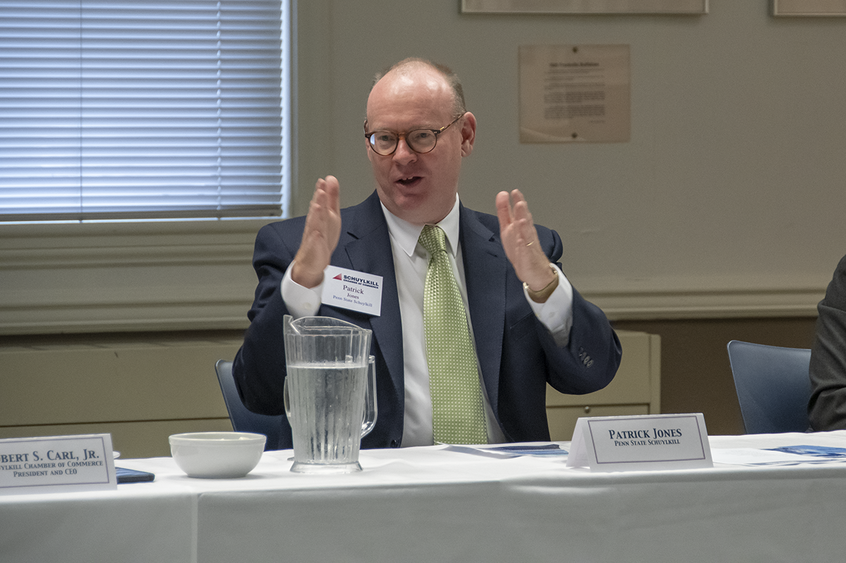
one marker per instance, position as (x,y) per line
(446,503)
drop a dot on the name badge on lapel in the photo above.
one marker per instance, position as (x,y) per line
(348,289)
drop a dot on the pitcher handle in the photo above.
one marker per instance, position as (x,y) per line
(371,410)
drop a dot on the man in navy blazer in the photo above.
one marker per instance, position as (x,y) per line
(529,325)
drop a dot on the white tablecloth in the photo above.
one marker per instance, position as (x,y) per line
(431,504)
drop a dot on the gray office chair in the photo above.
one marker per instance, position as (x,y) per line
(244,420)
(772,386)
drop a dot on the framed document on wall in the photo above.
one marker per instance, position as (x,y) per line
(574,93)
(692,7)
(809,7)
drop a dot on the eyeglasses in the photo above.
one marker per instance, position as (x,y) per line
(420,141)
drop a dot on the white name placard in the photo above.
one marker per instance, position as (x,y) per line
(348,289)
(57,463)
(644,442)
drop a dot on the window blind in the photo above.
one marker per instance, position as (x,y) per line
(140,109)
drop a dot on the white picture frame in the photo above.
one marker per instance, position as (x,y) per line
(690,7)
(809,8)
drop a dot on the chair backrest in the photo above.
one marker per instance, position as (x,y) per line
(772,385)
(244,420)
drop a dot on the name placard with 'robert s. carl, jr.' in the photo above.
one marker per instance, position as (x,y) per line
(57,464)
(643,442)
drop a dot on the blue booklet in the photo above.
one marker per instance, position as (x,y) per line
(817,451)
(543,449)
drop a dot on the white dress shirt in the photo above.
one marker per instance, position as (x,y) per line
(411,261)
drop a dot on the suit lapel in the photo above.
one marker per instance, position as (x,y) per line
(368,247)
(485,268)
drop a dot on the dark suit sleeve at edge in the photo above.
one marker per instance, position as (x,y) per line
(827,407)
(262,354)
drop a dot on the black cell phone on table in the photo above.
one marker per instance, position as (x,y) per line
(133,475)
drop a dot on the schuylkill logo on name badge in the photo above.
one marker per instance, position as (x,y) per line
(348,289)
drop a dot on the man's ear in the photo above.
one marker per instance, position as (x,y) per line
(468,133)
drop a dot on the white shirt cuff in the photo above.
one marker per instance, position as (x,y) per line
(300,301)
(556,313)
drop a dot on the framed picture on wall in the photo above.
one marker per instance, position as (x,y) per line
(809,7)
(585,6)
(575,94)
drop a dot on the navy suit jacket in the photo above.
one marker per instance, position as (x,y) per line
(827,406)
(517,354)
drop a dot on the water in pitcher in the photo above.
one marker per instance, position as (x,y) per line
(322,396)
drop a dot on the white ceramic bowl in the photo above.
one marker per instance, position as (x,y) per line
(217,455)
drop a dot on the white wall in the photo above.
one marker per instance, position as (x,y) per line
(727,201)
